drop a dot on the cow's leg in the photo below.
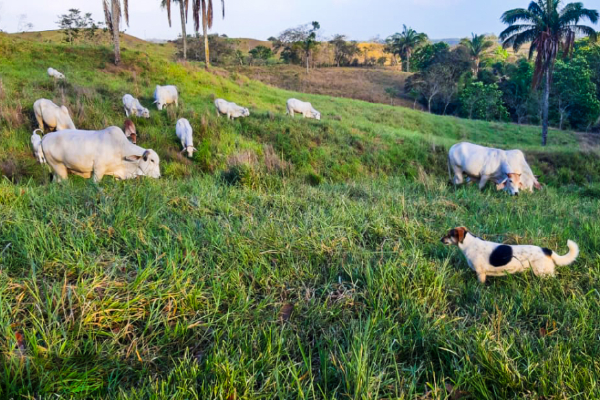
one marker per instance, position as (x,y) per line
(60,172)
(40,122)
(97,175)
(126,112)
(482,182)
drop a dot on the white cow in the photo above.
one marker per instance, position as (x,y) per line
(183,129)
(132,106)
(164,95)
(301,107)
(482,163)
(518,163)
(36,144)
(98,153)
(55,74)
(232,110)
(54,116)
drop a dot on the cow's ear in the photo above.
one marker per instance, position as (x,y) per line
(501,185)
(132,158)
(537,185)
(145,155)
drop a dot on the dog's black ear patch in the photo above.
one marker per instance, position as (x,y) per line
(547,252)
(501,255)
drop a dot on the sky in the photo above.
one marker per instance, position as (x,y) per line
(260,19)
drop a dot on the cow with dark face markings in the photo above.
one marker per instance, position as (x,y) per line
(494,259)
(96,154)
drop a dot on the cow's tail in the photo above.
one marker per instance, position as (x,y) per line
(568,258)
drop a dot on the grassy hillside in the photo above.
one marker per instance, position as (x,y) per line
(289,258)
(367,84)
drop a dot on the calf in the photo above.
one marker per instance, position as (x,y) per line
(55,74)
(301,107)
(164,95)
(54,116)
(130,132)
(183,129)
(133,107)
(232,110)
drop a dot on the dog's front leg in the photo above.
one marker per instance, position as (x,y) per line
(481,277)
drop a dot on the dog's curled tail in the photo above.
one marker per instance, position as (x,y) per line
(568,258)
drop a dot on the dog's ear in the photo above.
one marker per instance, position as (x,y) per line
(460,233)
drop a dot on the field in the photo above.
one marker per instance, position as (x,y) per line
(367,84)
(289,258)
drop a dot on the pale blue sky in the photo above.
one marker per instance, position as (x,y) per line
(360,19)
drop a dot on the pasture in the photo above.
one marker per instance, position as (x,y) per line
(289,258)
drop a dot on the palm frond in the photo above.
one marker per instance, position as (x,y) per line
(515,29)
(107,14)
(574,12)
(196,6)
(518,14)
(126,9)
(209,14)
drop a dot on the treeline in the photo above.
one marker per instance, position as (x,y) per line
(492,85)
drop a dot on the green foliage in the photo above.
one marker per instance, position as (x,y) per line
(574,97)
(481,101)
(77,27)
(426,55)
(404,44)
(261,52)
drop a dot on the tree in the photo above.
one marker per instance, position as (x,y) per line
(311,42)
(112,15)
(343,50)
(24,25)
(477,46)
(183,11)
(203,13)
(480,101)
(574,94)
(549,30)
(74,22)
(426,55)
(403,44)
(261,53)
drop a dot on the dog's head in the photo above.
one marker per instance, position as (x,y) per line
(455,236)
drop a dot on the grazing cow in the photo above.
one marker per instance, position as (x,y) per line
(164,95)
(55,74)
(482,163)
(98,153)
(55,117)
(36,144)
(301,107)
(132,106)
(183,129)
(232,110)
(517,162)
(130,132)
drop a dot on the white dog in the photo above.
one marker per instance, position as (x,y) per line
(494,259)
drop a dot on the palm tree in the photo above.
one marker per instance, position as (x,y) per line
(112,15)
(549,30)
(203,12)
(183,10)
(477,46)
(403,44)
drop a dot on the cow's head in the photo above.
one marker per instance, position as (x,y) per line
(245,112)
(147,164)
(143,112)
(190,150)
(512,183)
(159,105)
(316,115)
(65,110)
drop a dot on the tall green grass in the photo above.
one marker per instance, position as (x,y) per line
(324,280)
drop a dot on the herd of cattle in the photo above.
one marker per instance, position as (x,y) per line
(112,151)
